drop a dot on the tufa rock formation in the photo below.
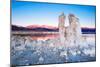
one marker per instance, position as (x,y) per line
(70,35)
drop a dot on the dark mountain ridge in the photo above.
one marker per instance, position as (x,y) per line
(43,29)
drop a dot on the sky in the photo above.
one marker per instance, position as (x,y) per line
(30,13)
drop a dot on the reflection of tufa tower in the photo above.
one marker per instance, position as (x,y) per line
(61,26)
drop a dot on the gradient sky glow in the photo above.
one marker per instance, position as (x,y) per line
(29,13)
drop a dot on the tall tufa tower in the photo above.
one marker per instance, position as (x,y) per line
(61,27)
(75,30)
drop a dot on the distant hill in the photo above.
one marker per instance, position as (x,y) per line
(41,26)
(88,30)
(17,28)
(48,29)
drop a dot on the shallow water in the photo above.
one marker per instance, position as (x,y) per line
(27,51)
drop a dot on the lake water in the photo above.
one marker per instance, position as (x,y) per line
(30,50)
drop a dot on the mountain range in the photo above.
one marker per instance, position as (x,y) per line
(45,28)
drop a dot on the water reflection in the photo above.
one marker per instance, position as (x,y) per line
(46,37)
(54,36)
